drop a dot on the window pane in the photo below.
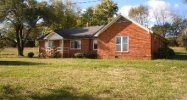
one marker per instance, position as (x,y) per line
(78,44)
(46,44)
(118,40)
(118,47)
(72,44)
(94,44)
(125,48)
(50,43)
(124,39)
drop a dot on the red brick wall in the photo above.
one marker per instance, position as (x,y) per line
(139,42)
(41,46)
(157,42)
(86,46)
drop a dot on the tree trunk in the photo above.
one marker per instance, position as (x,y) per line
(19,38)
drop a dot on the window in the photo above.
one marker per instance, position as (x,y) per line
(49,44)
(75,44)
(95,44)
(122,43)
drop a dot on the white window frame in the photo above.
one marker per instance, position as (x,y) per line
(95,41)
(79,41)
(121,44)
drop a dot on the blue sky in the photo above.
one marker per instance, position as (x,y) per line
(170,6)
(124,5)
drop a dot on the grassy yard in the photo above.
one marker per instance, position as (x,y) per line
(23,78)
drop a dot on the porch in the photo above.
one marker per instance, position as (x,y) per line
(53,49)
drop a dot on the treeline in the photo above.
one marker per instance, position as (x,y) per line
(167,23)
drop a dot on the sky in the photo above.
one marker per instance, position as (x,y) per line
(125,5)
(176,6)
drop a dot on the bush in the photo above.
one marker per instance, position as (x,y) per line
(85,55)
(172,42)
(57,54)
(42,55)
(165,53)
(90,55)
(79,55)
(30,54)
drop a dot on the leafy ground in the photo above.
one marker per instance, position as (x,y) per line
(23,78)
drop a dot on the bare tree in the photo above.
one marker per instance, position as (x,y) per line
(140,14)
(162,18)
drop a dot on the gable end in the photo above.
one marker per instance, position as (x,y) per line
(120,19)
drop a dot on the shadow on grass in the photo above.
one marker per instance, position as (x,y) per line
(180,56)
(9,92)
(18,63)
(66,93)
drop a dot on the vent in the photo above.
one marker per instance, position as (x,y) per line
(122,19)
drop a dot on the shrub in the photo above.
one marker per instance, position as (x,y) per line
(30,54)
(165,53)
(42,55)
(90,55)
(79,55)
(172,42)
(85,55)
(57,54)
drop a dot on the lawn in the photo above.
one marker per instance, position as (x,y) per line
(23,78)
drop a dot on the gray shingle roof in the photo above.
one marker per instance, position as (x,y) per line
(85,32)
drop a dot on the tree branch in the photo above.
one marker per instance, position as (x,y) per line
(6,38)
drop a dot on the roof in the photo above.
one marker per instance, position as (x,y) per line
(118,18)
(94,31)
(85,32)
(42,37)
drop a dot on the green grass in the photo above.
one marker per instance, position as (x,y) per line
(23,78)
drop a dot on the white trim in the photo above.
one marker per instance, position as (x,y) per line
(93,43)
(115,19)
(56,36)
(79,41)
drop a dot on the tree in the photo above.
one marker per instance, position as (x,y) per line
(162,18)
(23,16)
(2,43)
(86,17)
(140,14)
(104,12)
(66,14)
(101,14)
(185,40)
(161,29)
(7,35)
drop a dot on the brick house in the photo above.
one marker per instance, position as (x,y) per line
(122,38)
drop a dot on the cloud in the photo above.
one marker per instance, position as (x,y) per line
(158,5)
(155,6)
(176,6)
(159,8)
(125,9)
